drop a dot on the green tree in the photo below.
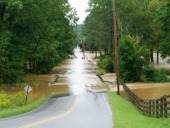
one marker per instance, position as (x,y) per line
(34,35)
(132,58)
(98,26)
(165,18)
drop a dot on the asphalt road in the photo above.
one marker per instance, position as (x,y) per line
(80,110)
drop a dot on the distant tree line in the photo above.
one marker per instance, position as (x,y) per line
(148,19)
(35,35)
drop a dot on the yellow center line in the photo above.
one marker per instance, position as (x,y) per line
(71,109)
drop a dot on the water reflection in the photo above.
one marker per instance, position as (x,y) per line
(80,73)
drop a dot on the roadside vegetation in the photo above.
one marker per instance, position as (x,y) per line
(106,63)
(126,115)
(143,31)
(12,105)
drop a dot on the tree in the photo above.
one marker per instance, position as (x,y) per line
(34,35)
(165,18)
(98,26)
(132,58)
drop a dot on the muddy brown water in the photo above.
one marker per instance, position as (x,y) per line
(40,85)
(149,90)
(75,74)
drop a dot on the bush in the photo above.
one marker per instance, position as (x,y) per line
(132,58)
(10,101)
(100,72)
(19,99)
(106,63)
(154,75)
(5,102)
(167,71)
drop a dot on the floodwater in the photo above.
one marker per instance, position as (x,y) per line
(41,85)
(150,90)
(80,73)
(74,75)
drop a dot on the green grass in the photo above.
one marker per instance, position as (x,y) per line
(126,115)
(20,110)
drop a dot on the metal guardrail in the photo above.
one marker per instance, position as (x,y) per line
(159,108)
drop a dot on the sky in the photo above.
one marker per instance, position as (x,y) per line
(81,6)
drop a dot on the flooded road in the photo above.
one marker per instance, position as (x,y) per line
(68,78)
(79,73)
(75,75)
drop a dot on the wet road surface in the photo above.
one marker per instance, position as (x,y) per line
(82,109)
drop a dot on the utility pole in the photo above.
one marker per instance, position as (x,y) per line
(115,46)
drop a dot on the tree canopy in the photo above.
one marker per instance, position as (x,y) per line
(144,21)
(35,35)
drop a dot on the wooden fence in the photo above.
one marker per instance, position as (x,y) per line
(159,108)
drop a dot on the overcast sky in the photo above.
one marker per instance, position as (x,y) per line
(81,6)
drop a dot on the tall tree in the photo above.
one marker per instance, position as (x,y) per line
(35,35)
(98,25)
(165,18)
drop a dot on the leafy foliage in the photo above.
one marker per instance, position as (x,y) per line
(35,35)
(165,18)
(155,75)
(106,63)
(9,101)
(132,58)
(98,26)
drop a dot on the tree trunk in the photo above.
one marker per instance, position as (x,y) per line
(157,57)
(30,67)
(96,54)
(34,67)
(151,55)
(2,10)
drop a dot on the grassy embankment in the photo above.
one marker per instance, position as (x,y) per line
(23,109)
(126,115)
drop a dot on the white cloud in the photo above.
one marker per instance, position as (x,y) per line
(81,6)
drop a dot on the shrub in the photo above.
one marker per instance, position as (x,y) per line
(166,70)
(154,75)
(19,99)
(106,63)
(132,58)
(12,101)
(100,72)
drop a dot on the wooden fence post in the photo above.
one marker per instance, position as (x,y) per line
(157,110)
(162,106)
(165,107)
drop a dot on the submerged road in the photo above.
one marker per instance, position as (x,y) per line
(81,109)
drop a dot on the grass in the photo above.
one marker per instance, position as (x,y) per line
(126,115)
(20,110)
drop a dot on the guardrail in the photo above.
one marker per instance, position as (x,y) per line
(159,108)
